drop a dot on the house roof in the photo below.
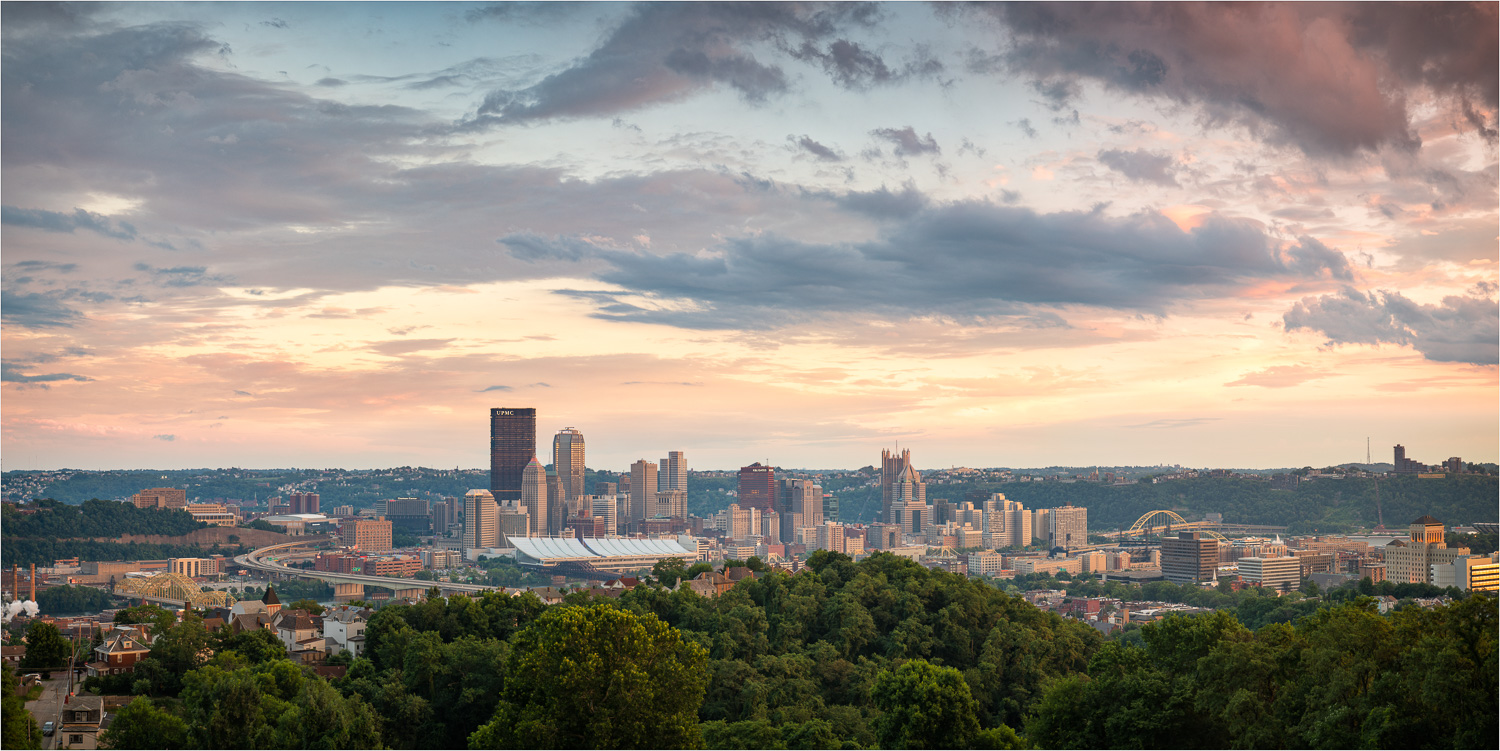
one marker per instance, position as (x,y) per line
(270,597)
(298,622)
(122,643)
(1425,519)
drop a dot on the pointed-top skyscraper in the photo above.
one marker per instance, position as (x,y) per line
(534,496)
(891,465)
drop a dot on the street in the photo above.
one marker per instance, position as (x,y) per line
(48,707)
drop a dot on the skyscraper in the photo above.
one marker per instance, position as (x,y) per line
(1069,527)
(534,498)
(757,487)
(604,507)
(890,466)
(480,519)
(557,506)
(673,473)
(512,445)
(642,490)
(799,504)
(1189,557)
(303,503)
(909,501)
(567,460)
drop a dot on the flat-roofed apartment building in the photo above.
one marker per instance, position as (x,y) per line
(160,498)
(364,534)
(1189,557)
(1283,573)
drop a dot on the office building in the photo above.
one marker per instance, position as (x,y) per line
(1189,557)
(831,507)
(534,498)
(671,504)
(986,563)
(1410,561)
(567,462)
(831,537)
(1405,466)
(642,489)
(908,501)
(512,446)
(481,520)
(212,514)
(757,487)
(799,503)
(372,536)
(604,507)
(1479,573)
(160,498)
(740,522)
(557,505)
(412,515)
(303,503)
(673,473)
(1068,527)
(891,465)
(1283,573)
(606,488)
(444,515)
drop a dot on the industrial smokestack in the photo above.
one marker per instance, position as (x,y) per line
(33,583)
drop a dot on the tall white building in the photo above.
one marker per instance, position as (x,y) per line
(1068,527)
(481,520)
(605,507)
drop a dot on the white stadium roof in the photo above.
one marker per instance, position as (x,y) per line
(597,549)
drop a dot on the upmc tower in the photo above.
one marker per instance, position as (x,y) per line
(512,444)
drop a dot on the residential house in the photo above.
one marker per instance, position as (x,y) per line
(119,653)
(345,628)
(81,719)
(14,655)
(295,627)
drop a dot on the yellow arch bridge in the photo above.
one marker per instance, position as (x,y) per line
(1162,522)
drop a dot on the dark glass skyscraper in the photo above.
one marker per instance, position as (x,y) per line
(512,444)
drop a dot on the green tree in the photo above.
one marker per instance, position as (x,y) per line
(142,724)
(669,571)
(310,605)
(598,677)
(18,729)
(45,647)
(255,645)
(924,706)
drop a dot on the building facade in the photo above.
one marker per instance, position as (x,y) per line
(757,487)
(1068,527)
(1411,560)
(534,498)
(1283,573)
(567,461)
(365,534)
(891,465)
(642,489)
(160,498)
(480,520)
(512,445)
(1189,557)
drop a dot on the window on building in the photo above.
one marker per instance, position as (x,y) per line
(75,739)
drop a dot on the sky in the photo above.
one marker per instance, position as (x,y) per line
(336,235)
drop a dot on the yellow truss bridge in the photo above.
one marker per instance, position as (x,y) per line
(1155,523)
(174,587)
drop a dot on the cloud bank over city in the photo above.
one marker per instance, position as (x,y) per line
(1005,235)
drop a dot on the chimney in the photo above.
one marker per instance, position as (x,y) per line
(33,582)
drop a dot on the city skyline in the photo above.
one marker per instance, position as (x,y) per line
(1025,236)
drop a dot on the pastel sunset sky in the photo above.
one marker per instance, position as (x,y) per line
(335,235)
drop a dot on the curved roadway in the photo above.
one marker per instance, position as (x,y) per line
(253,560)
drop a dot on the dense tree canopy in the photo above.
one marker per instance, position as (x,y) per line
(598,677)
(18,729)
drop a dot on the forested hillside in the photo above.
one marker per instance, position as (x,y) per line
(882,653)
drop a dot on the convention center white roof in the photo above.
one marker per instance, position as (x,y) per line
(597,550)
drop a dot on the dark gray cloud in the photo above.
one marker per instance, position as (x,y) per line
(487,389)
(885,204)
(1141,165)
(1459,329)
(54,221)
(29,266)
(664,52)
(36,310)
(907,142)
(183,276)
(164,437)
(1330,78)
(823,153)
(10,372)
(968,259)
(856,67)
(1025,125)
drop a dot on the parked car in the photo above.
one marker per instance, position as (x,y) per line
(47,728)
